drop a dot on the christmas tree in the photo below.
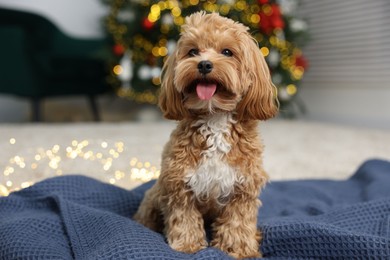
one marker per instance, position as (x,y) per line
(144,33)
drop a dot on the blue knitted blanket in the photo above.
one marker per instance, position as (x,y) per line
(75,217)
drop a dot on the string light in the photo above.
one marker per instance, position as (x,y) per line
(50,162)
(265,51)
(291,89)
(117,69)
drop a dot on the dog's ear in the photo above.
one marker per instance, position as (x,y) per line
(170,100)
(259,102)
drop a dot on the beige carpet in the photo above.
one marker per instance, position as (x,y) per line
(127,154)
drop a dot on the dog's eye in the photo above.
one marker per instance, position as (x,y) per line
(193,52)
(227,52)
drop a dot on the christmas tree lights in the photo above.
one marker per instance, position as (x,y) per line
(144,33)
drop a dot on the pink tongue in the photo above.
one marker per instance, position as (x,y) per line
(205,91)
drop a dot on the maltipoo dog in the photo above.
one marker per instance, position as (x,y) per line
(217,85)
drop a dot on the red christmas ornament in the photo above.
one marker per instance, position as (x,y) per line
(118,49)
(271,20)
(265,23)
(276,15)
(301,61)
(262,2)
(147,24)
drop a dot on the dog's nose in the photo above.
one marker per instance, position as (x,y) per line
(205,66)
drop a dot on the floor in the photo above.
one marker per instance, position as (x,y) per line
(129,153)
(111,107)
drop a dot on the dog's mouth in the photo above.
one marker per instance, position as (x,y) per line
(208,95)
(204,89)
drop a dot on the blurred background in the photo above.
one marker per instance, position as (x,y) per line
(65,65)
(100,60)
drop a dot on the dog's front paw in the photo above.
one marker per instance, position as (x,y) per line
(188,244)
(237,246)
(238,251)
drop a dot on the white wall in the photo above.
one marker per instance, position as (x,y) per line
(79,18)
(348,80)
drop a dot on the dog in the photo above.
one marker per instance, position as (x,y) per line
(218,86)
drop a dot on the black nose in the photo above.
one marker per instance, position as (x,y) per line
(205,67)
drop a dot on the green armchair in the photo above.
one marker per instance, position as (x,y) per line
(38,61)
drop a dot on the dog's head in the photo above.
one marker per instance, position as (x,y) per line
(217,66)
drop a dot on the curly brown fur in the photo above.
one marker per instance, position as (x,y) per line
(212,167)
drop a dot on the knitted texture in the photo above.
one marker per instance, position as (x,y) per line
(75,217)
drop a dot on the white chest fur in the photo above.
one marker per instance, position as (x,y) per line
(214,178)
